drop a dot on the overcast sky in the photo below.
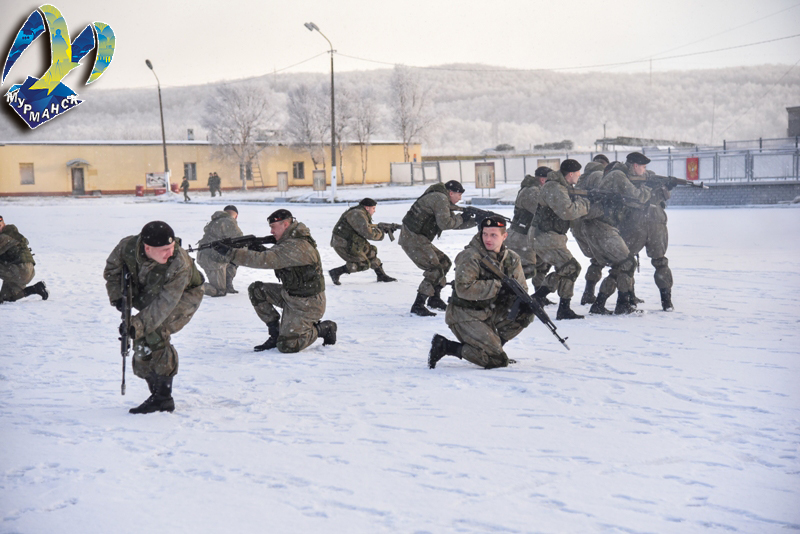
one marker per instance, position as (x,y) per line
(200,41)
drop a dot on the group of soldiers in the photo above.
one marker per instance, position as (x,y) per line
(613,215)
(214,186)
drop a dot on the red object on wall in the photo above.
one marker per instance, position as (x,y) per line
(139,190)
(174,187)
(692,168)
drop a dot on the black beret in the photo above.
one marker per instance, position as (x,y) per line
(279,215)
(601,157)
(495,221)
(542,172)
(454,186)
(157,234)
(638,158)
(230,207)
(570,165)
(368,202)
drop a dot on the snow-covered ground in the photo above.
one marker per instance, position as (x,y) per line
(663,422)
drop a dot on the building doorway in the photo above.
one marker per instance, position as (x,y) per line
(78,187)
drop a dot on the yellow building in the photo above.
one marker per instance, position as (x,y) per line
(118,167)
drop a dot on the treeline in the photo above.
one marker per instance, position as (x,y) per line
(470,108)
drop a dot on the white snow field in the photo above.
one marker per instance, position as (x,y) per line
(663,422)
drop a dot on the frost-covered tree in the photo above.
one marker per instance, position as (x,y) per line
(409,105)
(235,117)
(306,124)
(365,119)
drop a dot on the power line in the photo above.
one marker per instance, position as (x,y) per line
(580,67)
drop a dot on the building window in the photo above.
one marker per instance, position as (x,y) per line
(190,170)
(246,170)
(26,173)
(298,171)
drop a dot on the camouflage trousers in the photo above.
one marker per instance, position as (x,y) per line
(650,232)
(595,271)
(297,328)
(430,259)
(357,262)
(608,248)
(551,247)
(15,277)
(219,275)
(522,244)
(483,340)
(154,353)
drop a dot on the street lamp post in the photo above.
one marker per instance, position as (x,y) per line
(311,27)
(161,110)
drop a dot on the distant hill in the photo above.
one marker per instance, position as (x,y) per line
(477,108)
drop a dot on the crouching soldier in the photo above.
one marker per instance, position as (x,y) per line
(167,289)
(301,293)
(478,310)
(429,216)
(220,273)
(16,266)
(350,237)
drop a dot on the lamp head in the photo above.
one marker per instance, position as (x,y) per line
(149,65)
(311,26)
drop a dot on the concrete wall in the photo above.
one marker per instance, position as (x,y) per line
(114,168)
(735,194)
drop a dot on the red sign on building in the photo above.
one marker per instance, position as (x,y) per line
(692,168)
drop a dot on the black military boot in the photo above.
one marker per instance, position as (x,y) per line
(436,301)
(231,290)
(541,296)
(327,331)
(418,308)
(624,304)
(37,289)
(588,293)
(666,299)
(336,273)
(565,312)
(441,347)
(634,299)
(382,276)
(161,400)
(599,306)
(272,340)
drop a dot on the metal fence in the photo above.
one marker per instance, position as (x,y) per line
(715,165)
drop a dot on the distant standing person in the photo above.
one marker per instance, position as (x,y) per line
(301,292)
(16,266)
(429,216)
(219,271)
(349,240)
(218,183)
(185,187)
(167,290)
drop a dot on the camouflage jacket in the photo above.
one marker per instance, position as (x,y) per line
(525,205)
(432,213)
(14,247)
(617,180)
(556,207)
(353,230)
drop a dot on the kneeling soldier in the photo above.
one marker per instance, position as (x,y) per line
(220,273)
(16,266)
(350,237)
(301,292)
(478,310)
(167,289)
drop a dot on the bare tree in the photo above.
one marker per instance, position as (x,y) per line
(307,122)
(409,102)
(235,117)
(365,118)
(344,120)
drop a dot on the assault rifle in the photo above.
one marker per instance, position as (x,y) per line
(246,241)
(654,180)
(479,214)
(389,229)
(127,304)
(522,297)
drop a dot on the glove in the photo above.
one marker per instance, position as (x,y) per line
(257,248)
(131,330)
(118,304)
(222,250)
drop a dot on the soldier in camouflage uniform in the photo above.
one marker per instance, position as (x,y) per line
(520,234)
(647,228)
(430,215)
(301,293)
(478,310)
(592,174)
(185,189)
(603,236)
(219,272)
(349,240)
(552,221)
(167,289)
(16,266)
